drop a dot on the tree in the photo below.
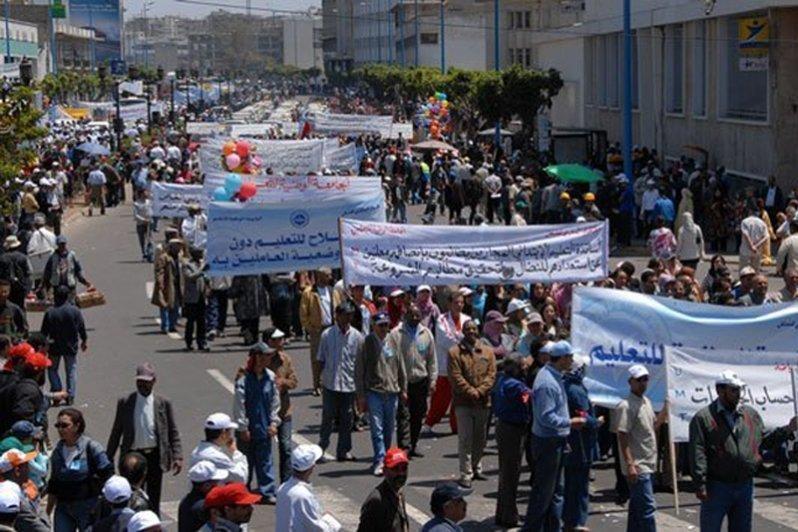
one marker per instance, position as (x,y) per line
(19,130)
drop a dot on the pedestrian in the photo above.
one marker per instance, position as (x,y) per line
(114,511)
(636,426)
(511,402)
(64,327)
(583,445)
(414,343)
(142,215)
(192,275)
(251,301)
(144,422)
(27,402)
(229,507)
(194,226)
(754,236)
(316,314)
(448,333)
(16,267)
(429,310)
(219,448)
(146,521)
(298,509)
(551,425)
(380,381)
(78,466)
(12,318)
(286,380)
(14,469)
(448,506)
(689,242)
(41,245)
(338,349)
(204,476)
(257,407)
(725,438)
(218,302)
(787,254)
(384,508)
(133,467)
(166,292)
(96,181)
(472,373)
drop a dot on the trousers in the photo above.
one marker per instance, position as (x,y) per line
(439,403)
(471,436)
(410,415)
(510,441)
(71,366)
(336,405)
(544,512)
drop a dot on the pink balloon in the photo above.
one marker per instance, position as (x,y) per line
(257,161)
(232,161)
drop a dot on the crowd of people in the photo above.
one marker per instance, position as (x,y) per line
(391,360)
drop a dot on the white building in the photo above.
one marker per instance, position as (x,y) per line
(302,45)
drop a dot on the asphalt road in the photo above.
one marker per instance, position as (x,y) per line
(124,333)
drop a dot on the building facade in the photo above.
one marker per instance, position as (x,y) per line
(337,35)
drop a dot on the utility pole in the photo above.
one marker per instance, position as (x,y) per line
(496,64)
(415,23)
(626,114)
(443,37)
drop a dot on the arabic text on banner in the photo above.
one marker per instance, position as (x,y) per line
(277,188)
(282,156)
(352,124)
(298,234)
(170,200)
(341,159)
(390,254)
(618,328)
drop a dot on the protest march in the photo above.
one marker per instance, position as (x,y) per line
(491,344)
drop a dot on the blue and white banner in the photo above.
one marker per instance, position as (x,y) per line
(171,200)
(618,328)
(343,159)
(296,234)
(391,254)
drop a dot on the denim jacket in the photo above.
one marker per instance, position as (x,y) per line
(82,478)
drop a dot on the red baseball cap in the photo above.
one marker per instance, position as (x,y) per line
(235,494)
(38,361)
(394,457)
(23,350)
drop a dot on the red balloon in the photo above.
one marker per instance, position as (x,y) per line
(242,148)
(247,191)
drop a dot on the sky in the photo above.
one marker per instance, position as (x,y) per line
(133,8)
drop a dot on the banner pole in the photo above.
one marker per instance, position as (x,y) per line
(341,250)
(794,398)
(671,444)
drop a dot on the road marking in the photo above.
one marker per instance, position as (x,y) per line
(349,510)
(172,335)
(149,287)
(169,510)
(778,513)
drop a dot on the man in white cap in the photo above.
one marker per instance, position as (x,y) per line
(219,448)
(146,521)
(115,511)
(204,476)
(725,438)
(298,509)
(636,426)
(14,469)
(10,496)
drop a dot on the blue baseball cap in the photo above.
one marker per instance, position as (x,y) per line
(24,429)
(560,349)
(443,493)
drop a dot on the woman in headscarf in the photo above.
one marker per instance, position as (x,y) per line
(685,205)
(689,242)
(429,310)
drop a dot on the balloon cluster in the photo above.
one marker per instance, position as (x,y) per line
(239,157)
(235,189)
(436,115)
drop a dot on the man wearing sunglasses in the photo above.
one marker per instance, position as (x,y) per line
(637,425)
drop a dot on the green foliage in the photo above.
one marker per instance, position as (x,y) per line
(19,130)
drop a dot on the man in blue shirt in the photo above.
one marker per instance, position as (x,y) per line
(551,426)
(449,508)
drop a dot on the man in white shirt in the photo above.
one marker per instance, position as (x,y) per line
(40,246)
(298,509)
(448,333)
(96,182)
(219,448)
(754,235)
(194,227)
(650,197)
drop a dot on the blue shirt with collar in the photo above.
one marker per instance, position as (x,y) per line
(550,417)
(337,354)
(441,524)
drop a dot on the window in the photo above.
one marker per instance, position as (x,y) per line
(699,78)
(528,57)
(613,69)
(674,69)
(527,19)
(429,38)
(743,93)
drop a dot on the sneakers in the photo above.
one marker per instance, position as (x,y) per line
(465,483)
(378,469)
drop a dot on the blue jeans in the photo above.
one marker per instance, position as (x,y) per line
(336,405)
(382,419)
(577,495)
(73,515)
(169,318)
(727,499)
(284,443)
(71,365)
(546,498)
(262,461)
(216,311)
(642,506)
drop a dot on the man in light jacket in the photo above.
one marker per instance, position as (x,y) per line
(219,448)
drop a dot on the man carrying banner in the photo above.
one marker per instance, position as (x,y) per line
(725,438)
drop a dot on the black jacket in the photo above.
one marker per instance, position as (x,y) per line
(64,325)
(384,511)
(28,402)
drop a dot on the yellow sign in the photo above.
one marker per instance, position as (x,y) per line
(753,36)
(77,113)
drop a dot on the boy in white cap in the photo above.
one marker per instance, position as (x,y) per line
(219,448)
(116,514)
(203,476)
(725,438)
(636,426)
(298,509)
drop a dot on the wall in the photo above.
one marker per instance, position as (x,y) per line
(785,97)
(568,57)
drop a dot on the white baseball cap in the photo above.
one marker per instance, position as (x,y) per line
(204,470)
(636,371)
(117,489)
(303,457)
(220,421)
(142,521)
(729,377)
(515,304)
(465,291)
(14,458)
(10,495)
(423,287)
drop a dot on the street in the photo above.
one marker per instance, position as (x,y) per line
(124,333)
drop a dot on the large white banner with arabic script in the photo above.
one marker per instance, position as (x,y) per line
(618,328)
(352,124)
(277,188)
(390,254)
(296,234)
(299,157)
(171,201)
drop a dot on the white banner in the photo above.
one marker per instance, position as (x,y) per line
(133,87)
(170,200)
(272,188)
(298,157)
(131,113)
(352,124)
(389,254)
(618,328)
(201,129)
(403,128)
(250,130)
(296,234)
(341,159)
